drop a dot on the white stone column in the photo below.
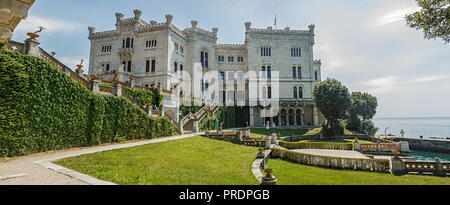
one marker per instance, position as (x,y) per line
(315,116)
(252,118)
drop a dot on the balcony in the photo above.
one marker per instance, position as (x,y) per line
(126,53)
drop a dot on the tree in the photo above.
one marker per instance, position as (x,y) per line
(333,101)
(433,19)
(364,107)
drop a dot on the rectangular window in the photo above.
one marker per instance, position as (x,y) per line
(316,75)
(266,51)
(220,58)
(296,52)
(230,59)
(106,49)
(150,44)
(222,75)
(147,66)
(240,59)
(181,49)
(176,46)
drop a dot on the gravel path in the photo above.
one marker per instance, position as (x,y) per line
(29,170)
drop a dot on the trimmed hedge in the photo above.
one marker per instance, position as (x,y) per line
(377,165)
(316,145)
(42,108)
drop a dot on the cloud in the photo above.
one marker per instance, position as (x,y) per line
(389,84)
(51,25)
(394,16)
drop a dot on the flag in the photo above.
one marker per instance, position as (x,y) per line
(275,22)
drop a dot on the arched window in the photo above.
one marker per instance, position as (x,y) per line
(175,67)
(128,42)
(298,116)
(316,75)
(123,43)
(129,66)
(269,72)
(206,59)
(147,66)
(299,70)
(300,92)
(295,92)
(291,117)
(283,117)
(206,85)
(181,67)
(153,65)
(202,58)
(263,71)
(124,66)
(132,42)
(269,92)
(294,74)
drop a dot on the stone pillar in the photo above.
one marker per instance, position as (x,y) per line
(11,13)
(32,47)
(117,89)
(295,118)
(195,126)
(315,116)
(438,171)
(252,118)
(279,119)
(398,168)
(404,146)
(79,70)
(95,86)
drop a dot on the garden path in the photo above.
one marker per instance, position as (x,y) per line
(36,169)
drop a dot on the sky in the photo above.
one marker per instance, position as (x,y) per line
(365,44)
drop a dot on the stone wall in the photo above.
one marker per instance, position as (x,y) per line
(432,145)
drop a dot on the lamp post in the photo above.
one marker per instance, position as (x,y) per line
(402,133)
(385,130)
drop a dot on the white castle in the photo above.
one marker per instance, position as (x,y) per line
(272,65)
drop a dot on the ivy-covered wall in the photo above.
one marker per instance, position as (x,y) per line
(42,108)
(224,114)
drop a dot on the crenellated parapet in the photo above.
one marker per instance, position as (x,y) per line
(284,31)
(230,46)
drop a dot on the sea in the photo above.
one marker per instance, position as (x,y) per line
(416,127)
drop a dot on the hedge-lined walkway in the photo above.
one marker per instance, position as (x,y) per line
(25,171)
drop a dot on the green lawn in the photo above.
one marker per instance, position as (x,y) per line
(262,132)
(191,161)
(289,173)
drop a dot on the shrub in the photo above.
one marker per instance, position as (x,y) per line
(316,145)
(42,108)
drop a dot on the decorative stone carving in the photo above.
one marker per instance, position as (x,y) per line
(153,22)
(91,29)
(311,28)
(169,19)
(119,17)
(137,14)
(11,13)
(247,26)
(215,30)
(194,24)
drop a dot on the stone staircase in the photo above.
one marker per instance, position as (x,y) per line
(278,147)
(189,123)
